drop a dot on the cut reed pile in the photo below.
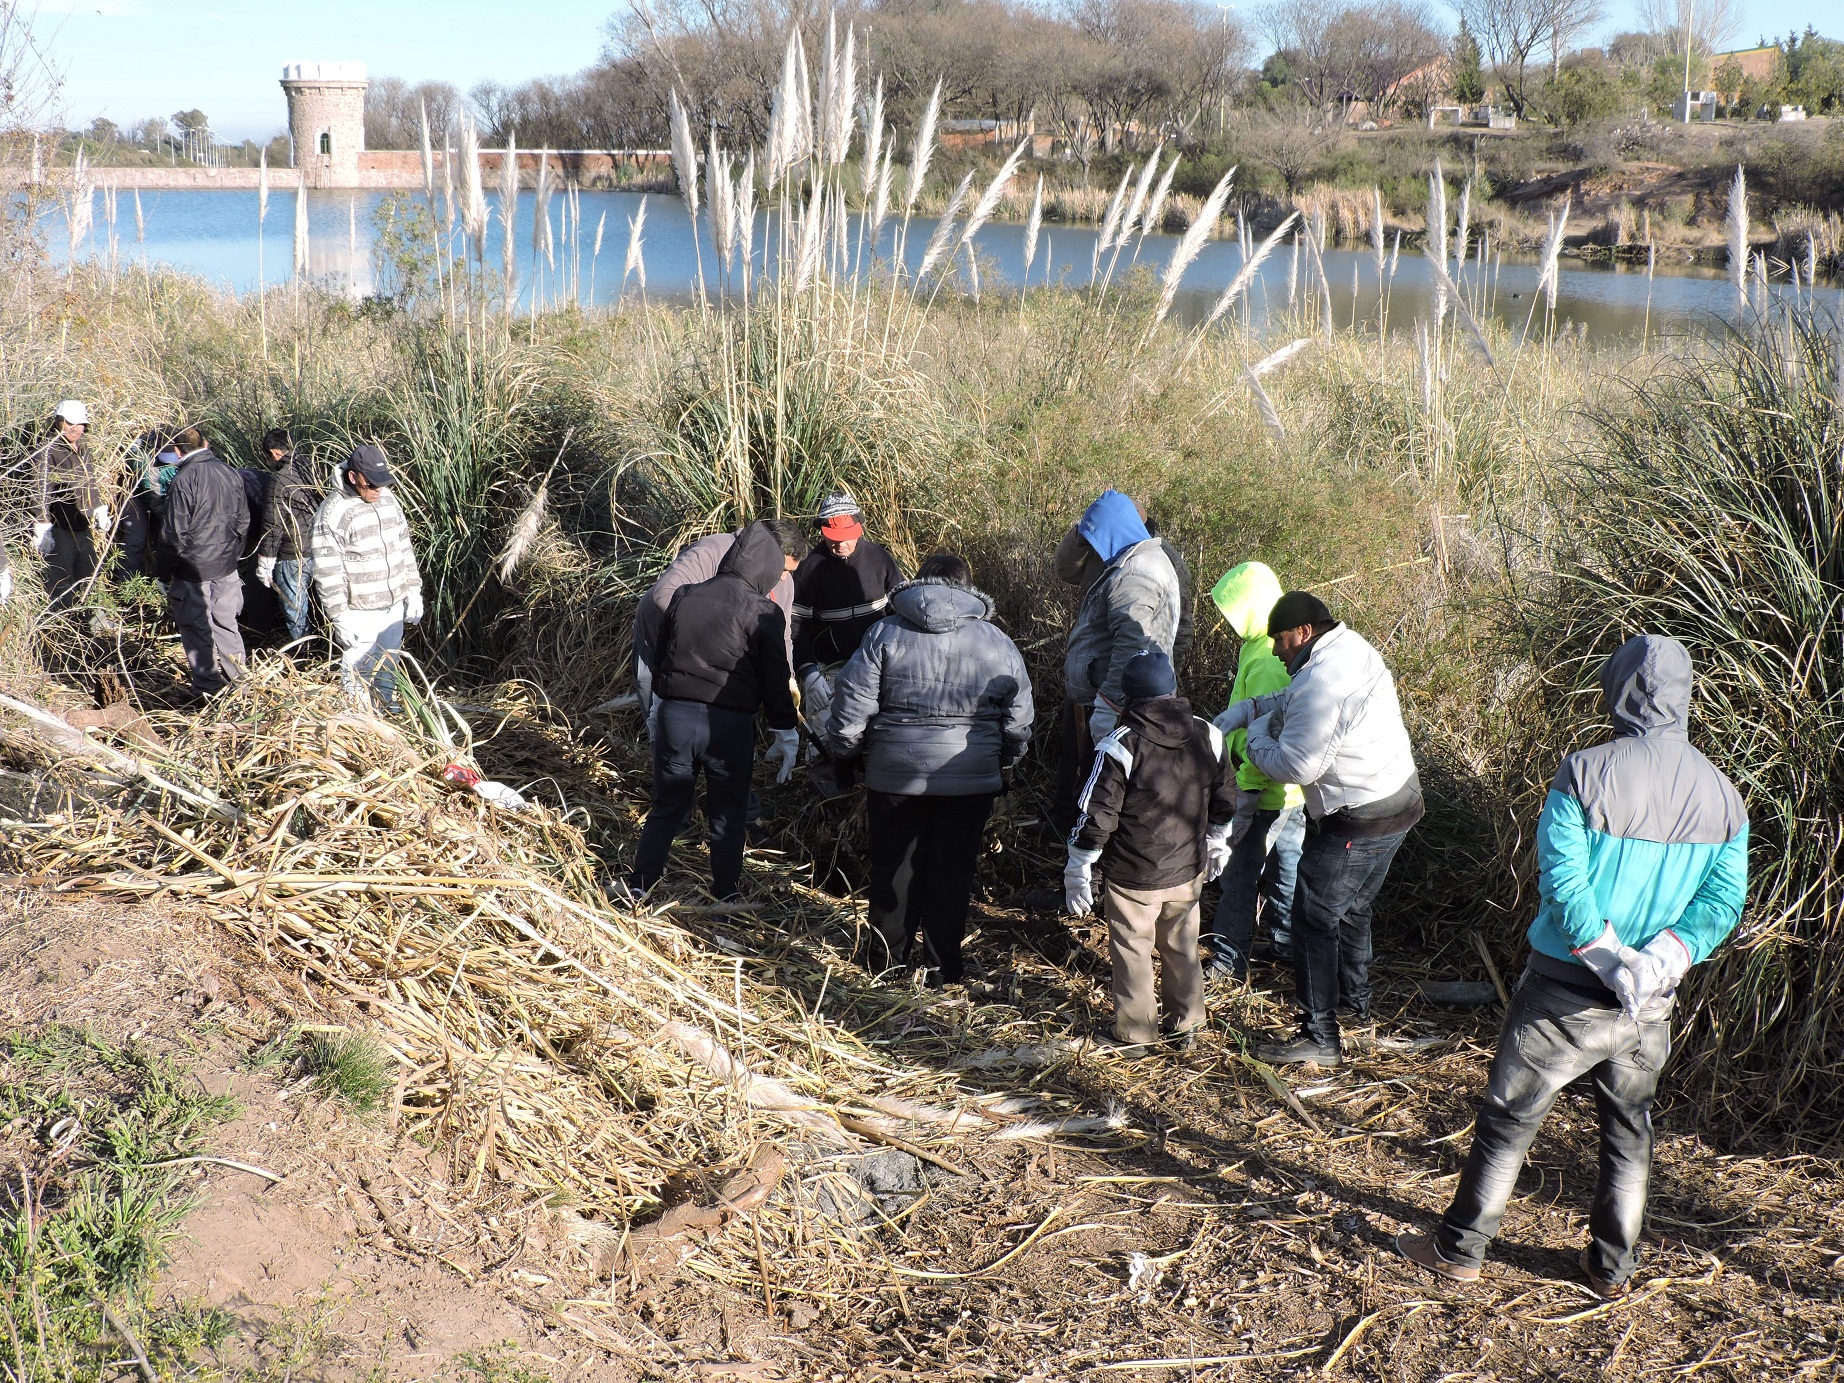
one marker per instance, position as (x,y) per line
(559,1047)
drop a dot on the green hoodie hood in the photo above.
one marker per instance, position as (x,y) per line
(1245,595)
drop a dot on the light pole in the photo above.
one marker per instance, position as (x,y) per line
(1690,9)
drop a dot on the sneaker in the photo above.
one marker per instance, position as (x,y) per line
(1300,1051)
(1270,954)
(1600,1286)
(1421,1249)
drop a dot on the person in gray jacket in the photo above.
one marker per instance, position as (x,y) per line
(1131,605)
(207,522)
(938,702)
(1336,731)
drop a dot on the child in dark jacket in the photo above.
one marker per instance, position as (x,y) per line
(1155,814)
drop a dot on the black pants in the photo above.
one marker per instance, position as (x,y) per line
(925,852)
(71,564)
(1075,757)
(688,738)
(1339,879)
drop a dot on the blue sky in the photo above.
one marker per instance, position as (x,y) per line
(129,59)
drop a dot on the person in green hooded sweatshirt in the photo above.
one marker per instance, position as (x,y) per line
(1270,825)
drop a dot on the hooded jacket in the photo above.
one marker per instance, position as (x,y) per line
(1133,605)
(1641,833)
(936,697)
(838,599)
(289,507)
(66,482)
(1245,595)
(362,554)
(1077,565)
(723,642)
(697,562)
(207,520)
(1337,730)
(1159,782)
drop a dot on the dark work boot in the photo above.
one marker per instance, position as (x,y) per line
(1315,1045)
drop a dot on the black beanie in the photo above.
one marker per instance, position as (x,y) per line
(1297,608)
(1148,675)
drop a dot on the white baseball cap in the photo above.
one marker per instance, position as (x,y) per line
(73,411)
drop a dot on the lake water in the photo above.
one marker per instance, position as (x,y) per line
(213,234)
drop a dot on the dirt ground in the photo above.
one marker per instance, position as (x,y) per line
(1230,1234)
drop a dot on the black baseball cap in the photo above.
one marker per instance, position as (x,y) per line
(368,460)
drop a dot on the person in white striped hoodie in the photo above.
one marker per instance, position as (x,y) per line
(365,574)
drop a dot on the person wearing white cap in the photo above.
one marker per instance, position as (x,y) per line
(68,505)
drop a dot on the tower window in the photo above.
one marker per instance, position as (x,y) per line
(326,142)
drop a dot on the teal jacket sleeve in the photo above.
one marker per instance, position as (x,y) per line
(1564,875)
(1717,905)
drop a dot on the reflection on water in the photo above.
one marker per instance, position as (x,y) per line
(214,234)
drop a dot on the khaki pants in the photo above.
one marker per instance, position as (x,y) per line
(1138,921)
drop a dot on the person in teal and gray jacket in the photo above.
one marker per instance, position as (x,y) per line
(1642,849)
(1270,825)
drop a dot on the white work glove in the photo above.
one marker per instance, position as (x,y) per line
(42,539)
(815,695)
(1217,845)
(1079,882)
(1651,975)
(1102,721)
(784,749)
(1236,716)
(265,571)
(99,518)
(6,585)
(500,795)
(344,630)
(1602,955)
(413,608)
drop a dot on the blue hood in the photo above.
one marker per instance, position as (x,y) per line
(1112,525)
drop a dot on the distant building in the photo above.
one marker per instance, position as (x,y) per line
(326,120)
(1486,116)
(1755,64)
(1696,105)
(1791,113)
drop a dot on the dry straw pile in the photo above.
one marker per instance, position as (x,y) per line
(556,1045)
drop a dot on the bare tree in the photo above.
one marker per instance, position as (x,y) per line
(1341,51)
(394,112)
(1290,136)
(1712,24)
(1569,19)
(1511,32)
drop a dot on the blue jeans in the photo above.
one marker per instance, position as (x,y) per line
(1265,864)
(1339,879)
(1553,1034)
(690,738)
(292,579)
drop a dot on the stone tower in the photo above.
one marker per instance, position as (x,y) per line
(326,119)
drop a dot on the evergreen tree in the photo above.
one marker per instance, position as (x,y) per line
(1468,77)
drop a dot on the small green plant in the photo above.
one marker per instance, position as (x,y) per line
(349,1067)
(498,1364)
(86,1211)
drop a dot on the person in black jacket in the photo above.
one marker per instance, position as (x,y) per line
(720,656)
(1155,814)
(841,589)
(70,506)
(285,553)
(201,542)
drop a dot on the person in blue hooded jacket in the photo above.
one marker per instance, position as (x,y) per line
(1132,606)
(1642,849)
